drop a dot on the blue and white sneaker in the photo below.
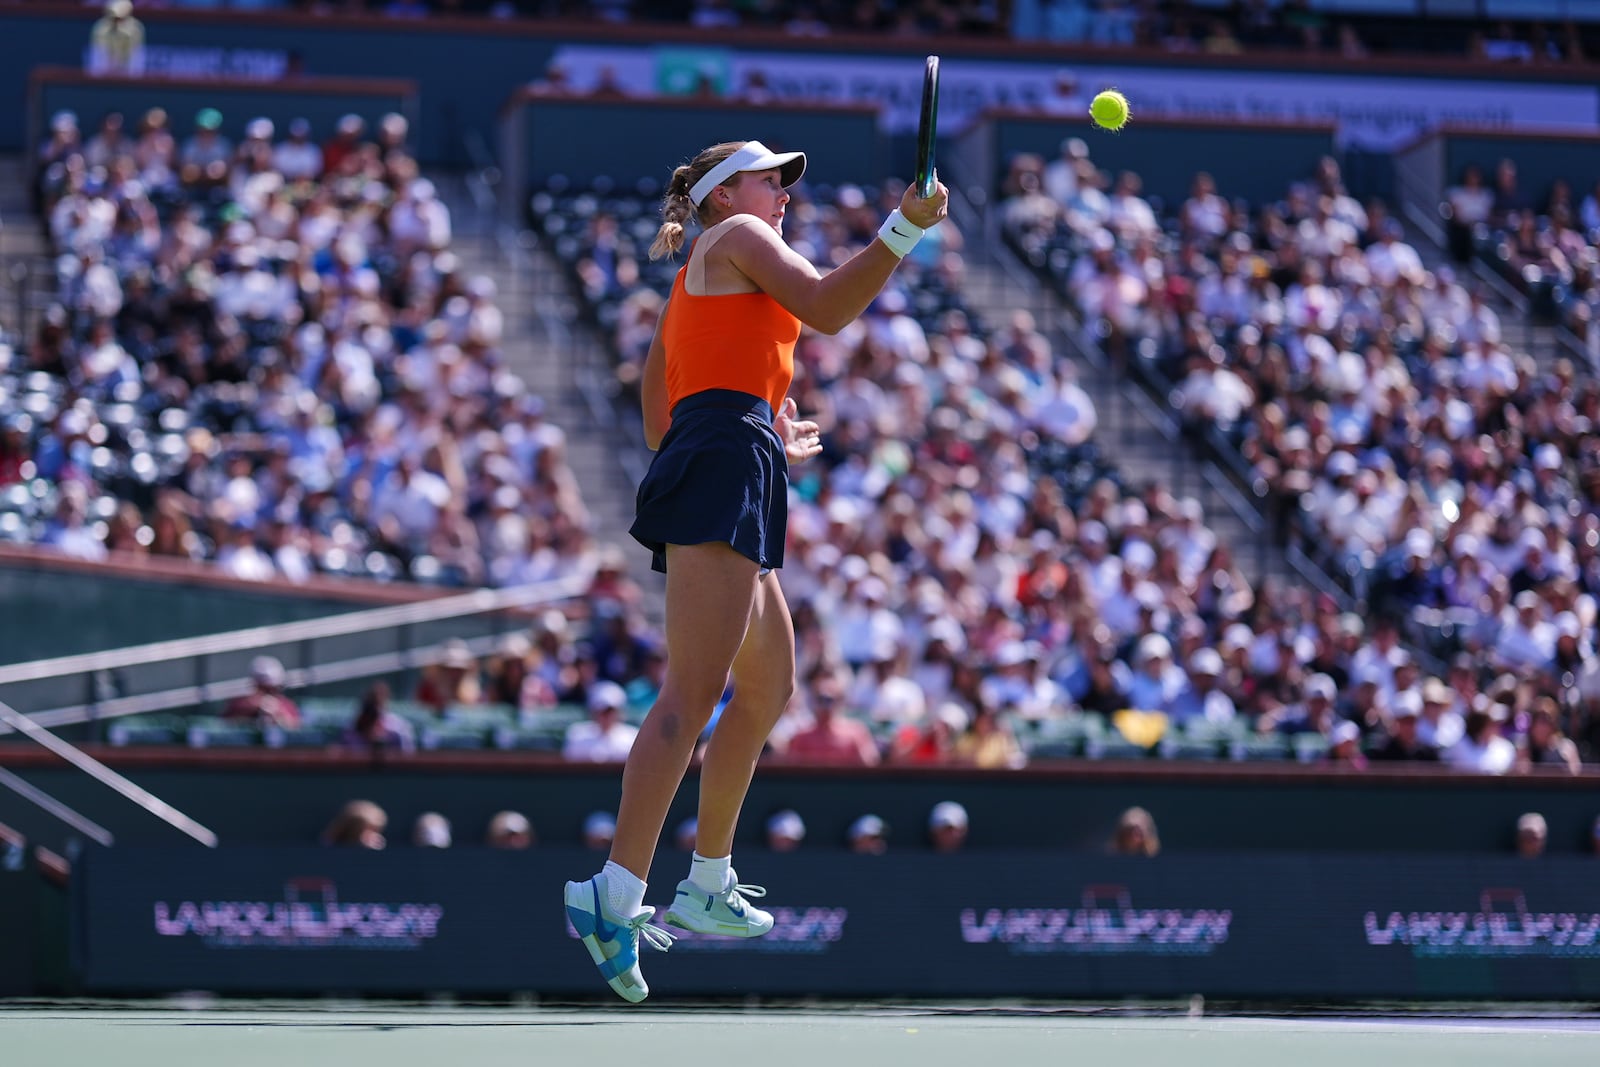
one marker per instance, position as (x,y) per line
(612,939)
(728,913)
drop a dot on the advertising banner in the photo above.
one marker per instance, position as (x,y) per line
(987,924)
(1374,112)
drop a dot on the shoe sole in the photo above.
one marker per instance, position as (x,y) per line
(726,929)
(575,890)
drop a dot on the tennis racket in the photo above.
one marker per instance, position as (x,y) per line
(928,130)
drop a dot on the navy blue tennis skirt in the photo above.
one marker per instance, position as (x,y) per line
(719,476)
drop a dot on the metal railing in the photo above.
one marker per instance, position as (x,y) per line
(112,676)
(102,774)
(55,809)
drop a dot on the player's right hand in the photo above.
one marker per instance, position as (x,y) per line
(925,213)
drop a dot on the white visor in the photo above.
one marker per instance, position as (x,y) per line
(753,156)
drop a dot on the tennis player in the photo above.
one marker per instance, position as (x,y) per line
(713,510)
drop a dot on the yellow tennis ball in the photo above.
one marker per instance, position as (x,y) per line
(1109,110)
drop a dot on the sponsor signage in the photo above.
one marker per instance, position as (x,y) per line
(243,64)
(1374,112)
(309,921)
(309,914)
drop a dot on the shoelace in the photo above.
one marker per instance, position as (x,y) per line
(753,892)
(655,936)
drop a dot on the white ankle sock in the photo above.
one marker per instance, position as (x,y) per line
(709,874)
(624,890)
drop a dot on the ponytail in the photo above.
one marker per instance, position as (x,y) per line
(676,207)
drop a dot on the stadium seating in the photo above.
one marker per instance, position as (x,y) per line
(249,364)
(1309,348)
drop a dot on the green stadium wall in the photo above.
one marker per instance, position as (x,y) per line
(285,798)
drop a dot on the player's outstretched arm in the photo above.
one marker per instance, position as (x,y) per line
(830,302)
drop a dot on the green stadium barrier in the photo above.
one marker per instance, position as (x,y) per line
(1253,160)
(627,140)
(1541,159)
(260,796)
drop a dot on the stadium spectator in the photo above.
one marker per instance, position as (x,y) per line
(345,143)
(509,830)
(204,157)
(507,678)
(834,738)
(947,826)
(1532,835)
(1135,834)
(1344,745)
(70,531)
(687,833)
(359,824)
(266,704)
(452,681)
(935,740)
(1482,748)
(1543,744)
(297,157)
(431,830)
(1156,682)
(116,41)
(1471,204)
(785,831)
(376,728)
(989,743)
(1404,741)
(1203,699)
(868,835)
(604,738)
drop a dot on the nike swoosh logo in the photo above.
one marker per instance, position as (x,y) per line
(737,909)
(896,229)
(603,930)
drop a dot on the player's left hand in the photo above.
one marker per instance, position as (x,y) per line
(802,439)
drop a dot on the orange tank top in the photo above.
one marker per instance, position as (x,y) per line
(742,341)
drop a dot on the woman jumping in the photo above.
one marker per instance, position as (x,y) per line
(713,510)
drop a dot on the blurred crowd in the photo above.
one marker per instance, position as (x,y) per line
(264,354)
(1177,26)
(1377,402)
(985,576)
(1546,243)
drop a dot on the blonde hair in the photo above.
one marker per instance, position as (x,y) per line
(1136,818)
(353,819)
(676,207)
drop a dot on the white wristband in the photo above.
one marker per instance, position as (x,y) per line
(898,234)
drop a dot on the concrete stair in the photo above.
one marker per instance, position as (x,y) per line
(1134,431)
(24,250)
(564,363)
